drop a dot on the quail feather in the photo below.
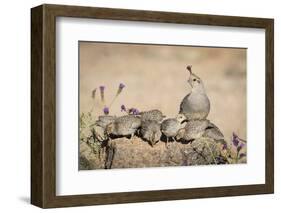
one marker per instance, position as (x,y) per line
(104,120)
(200,128)
(150,131)
(124,126)
(171,126)
(196,104)
(152,115)
(193,129)
(212,131)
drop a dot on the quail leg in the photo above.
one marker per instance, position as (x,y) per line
(173,140)
(132,138)
(167,141)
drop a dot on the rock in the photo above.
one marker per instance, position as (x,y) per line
(136,153)
(89,159)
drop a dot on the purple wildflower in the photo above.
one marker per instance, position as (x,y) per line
(242,155)
(123,108)
(133,111)
(121,85)
(106,110)
(102,88)
(240,147)
(235,139)
(224,146)
(136,112)
(120,88)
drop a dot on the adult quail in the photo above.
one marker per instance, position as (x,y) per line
(150,131)
(193,129)
(171,126)
(125,125)
(196,104)
(152,115)
(104,120)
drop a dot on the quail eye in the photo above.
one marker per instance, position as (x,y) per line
(194,79)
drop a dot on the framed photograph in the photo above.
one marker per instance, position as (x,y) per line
(136,106)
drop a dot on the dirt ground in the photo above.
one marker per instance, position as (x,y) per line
(156,78)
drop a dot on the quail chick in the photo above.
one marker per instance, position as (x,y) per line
(193,129)
(152,115)
(104,120)
(196,104)
(150,131)
(212,131)
(125,125)
(171,126)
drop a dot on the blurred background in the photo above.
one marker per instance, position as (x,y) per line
(155,77)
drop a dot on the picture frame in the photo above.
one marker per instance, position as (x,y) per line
(43,105)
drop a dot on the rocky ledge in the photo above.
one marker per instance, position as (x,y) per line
(136,153)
